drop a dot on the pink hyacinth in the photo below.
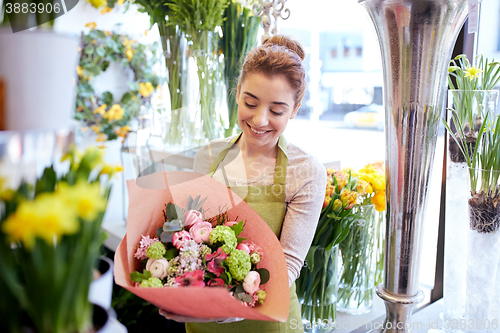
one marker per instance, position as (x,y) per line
(192,217)
(214,262)
(180,238)
(191,279)
(145,242)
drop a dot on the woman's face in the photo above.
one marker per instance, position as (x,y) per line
(265,104)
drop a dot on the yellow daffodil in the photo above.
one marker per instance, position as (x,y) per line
(46,217)
(108,33)
(110,169)
(122,131)
(115,112)
(145,89)
(85,198)
(98,3)
(472,72)
(96,129)
(106,10)
(79,70)
(101,138)
(100,110)
(91,25)
(120,2)
(126,41)
(146,33)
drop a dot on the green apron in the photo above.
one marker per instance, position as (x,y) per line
(269,202)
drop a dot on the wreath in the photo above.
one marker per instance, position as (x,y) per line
(99,49)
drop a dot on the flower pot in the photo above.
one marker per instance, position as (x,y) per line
(357,277)
(317,291)
(101,287)
(38,71)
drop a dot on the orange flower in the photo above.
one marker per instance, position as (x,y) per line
(348,198)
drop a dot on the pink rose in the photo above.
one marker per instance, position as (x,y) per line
(200,231)
(214,261)
(230,223)
(158,268)
(251,282)
(180,238)
(243,247)
(191,217)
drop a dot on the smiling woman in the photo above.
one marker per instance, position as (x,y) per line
(280,181)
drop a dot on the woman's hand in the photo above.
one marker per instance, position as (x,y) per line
(186,319)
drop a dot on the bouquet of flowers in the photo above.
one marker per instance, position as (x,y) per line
(202,253)
(185,252)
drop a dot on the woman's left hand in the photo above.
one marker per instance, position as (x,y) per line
(186,319)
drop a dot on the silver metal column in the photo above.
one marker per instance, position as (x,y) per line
(416,39)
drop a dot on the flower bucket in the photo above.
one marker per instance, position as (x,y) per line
(317,291)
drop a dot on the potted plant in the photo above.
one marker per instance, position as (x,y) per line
(50,236)
(482,242)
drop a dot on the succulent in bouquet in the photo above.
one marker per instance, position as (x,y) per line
(50,237)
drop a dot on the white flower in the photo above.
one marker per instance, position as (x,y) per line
(251,282)
(158,268)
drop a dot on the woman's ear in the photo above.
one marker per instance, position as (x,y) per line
(294,112)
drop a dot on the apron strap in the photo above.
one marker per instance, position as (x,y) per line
(281,160)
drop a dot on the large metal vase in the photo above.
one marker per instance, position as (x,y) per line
(416,40)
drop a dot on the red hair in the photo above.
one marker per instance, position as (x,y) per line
(278,55)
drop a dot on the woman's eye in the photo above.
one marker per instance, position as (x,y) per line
(249,105)
(277,113)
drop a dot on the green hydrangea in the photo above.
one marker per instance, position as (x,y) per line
(239,264)
(254,258)
(152,282)
(224,235)
(156,251)
(261,295)
(204,250)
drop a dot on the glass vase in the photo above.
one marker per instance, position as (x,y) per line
(379,247)
(317,291)
(357,275)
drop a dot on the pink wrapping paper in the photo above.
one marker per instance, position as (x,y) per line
(147,198)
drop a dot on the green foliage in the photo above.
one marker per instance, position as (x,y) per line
(139,277)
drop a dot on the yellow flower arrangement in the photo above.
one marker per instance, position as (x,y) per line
(50,235)
(91,25)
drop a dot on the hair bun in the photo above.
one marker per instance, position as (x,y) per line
(287,42)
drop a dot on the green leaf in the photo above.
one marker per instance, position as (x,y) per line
(139,277)
(171,212)
(226,277)
(107,98)
(104,65)
(171,253)
(310,257)
(88,50)
(47,182)
(264,275)
(237,228)
(126,98)
(240,239)
(101,52)
(94,70)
